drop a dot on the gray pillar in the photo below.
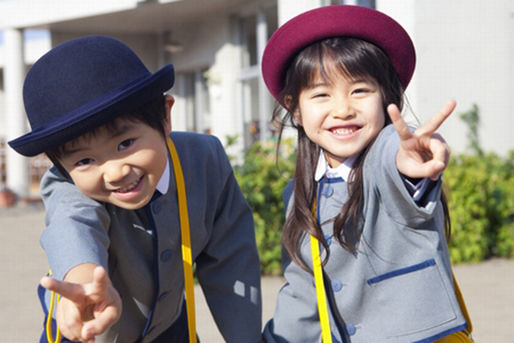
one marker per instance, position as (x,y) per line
(14,72)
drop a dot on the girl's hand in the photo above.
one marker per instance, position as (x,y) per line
(422,153)
(85,310)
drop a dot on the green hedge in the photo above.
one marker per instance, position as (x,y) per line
(480,191)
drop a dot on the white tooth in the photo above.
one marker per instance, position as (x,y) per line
(343,131)
(130,187)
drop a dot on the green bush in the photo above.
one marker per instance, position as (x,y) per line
(262,178)
(481,200)
(480,196)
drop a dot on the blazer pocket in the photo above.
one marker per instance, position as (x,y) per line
(411,299)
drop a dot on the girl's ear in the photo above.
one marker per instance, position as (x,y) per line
(288,100)
(298,117)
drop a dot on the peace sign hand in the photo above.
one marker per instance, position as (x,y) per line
(422,153)
(85,309)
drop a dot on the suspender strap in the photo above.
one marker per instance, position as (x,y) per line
(187,259)
(321,296)
(320,292)
(54,299)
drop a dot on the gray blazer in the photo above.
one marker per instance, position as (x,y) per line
(148,274)
(398,287)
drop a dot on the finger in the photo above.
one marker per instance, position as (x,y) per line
(435,169)
(399,124)
(436,120)
(69,320)
(103,321)
(100,280)
(439,150)
(69,290)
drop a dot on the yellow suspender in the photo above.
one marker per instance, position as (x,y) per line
(317,269)
(320,292)
(54,298)
(187,259)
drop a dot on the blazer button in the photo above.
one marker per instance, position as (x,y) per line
(351,329)
(163,295)
(156,207)
(166,255)
(337,285)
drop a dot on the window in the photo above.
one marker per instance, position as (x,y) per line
(364,3)
(193,92)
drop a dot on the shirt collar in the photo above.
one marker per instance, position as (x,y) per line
(164,182)
(343,171)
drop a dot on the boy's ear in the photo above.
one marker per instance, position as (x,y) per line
(169,101)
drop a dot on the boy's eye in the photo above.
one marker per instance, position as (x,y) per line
(125,144)
(320,95)
(361,90)
(84,162)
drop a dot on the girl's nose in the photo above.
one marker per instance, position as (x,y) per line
(115,171)
(342,109)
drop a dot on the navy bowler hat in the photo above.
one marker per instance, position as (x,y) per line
(336,21)
(80,85)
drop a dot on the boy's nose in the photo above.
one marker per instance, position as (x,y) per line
(115,171)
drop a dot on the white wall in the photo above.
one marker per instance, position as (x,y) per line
(465,51)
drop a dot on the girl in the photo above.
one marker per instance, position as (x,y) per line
(366,189)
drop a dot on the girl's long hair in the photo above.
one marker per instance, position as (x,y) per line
(356,59)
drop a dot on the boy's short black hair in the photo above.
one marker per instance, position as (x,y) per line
(152,113)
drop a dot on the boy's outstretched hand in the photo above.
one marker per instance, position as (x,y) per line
(422,153)
(85,309)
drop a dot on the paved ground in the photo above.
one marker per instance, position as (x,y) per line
(487,287)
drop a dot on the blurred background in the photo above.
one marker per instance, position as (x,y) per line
(465,51)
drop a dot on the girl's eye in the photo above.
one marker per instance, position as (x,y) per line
(125,144)
(84,162)
(320,95)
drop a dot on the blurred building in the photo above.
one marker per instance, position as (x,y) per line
(465,50)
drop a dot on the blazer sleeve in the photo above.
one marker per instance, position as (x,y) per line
(76,227)
(384,181)
(228,267)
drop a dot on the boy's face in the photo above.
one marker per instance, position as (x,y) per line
(120,166)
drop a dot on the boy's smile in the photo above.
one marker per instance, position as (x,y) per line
(120,165)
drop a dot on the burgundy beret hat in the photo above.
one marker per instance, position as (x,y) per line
(336,21)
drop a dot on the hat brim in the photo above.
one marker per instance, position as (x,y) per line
(95,113)
(336,21)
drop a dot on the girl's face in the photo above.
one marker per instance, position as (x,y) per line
(340,114)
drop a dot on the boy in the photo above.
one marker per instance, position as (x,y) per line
(112,225)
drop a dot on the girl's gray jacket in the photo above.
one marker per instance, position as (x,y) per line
(397,287)
(148,272)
